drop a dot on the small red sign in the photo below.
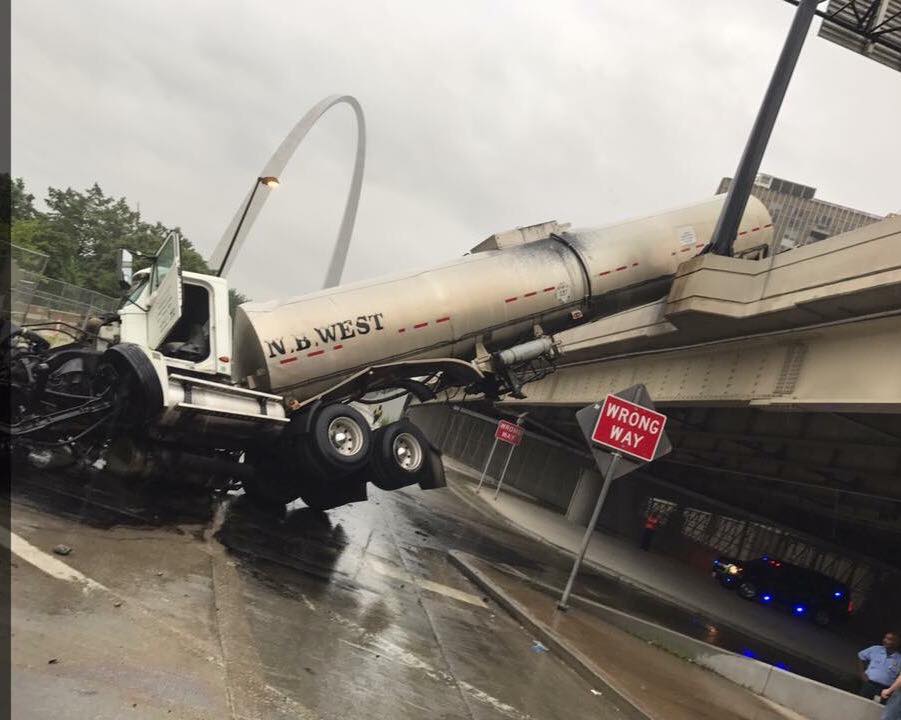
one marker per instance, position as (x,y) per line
(508,432)
(629,428)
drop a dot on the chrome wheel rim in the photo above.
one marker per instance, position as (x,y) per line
(407,452)
(346,436)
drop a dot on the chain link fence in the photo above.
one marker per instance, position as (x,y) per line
(36,298)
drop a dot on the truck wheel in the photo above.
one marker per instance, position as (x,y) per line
(321,493)
(273,484)
(126,371)
(402,456)
(341,437)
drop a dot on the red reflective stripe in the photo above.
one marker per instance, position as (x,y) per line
(509,300)
(315,353)
(549,289)
(606,272)
(755,229)
(686,249)
(634,264)
(444,319)
(743,232)
(337,347)
(402,330)
(530,294)
(768,225)
(419,325)
(287,360)
(621,267)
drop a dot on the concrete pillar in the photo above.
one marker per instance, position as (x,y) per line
(584,497)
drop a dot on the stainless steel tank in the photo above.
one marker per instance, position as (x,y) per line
(301,346)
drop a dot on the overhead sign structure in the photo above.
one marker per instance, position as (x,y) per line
(508,432)
(871,28)
(626,427)
(624,432)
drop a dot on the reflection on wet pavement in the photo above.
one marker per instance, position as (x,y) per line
(353,613)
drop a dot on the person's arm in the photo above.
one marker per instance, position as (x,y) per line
(887,693)
(863,661)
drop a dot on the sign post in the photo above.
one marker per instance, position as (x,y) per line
(487,463)
(509,433)
(589,531)
(623,435)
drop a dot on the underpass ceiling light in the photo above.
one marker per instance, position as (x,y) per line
(270,181)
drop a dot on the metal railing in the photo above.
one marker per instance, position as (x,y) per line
(36,298)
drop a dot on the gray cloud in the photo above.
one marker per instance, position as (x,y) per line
(481,116)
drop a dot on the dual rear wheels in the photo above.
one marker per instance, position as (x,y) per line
(326,458)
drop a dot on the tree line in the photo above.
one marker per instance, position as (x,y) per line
(81,233)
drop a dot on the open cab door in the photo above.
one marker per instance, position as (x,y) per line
(166,294)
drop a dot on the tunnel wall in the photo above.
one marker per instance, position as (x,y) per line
(696,529)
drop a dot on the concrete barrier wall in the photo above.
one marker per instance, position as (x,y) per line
(809,698)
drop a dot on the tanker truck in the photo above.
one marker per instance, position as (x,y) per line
(171,386)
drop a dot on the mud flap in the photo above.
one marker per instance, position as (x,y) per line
(435,478)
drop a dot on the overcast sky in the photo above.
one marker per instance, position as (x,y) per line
(481,116)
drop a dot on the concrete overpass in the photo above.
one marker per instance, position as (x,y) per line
(782,381)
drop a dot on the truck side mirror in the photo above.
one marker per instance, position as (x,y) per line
(125,266)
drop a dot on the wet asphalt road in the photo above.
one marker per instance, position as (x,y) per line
(355,613)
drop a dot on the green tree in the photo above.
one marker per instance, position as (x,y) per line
(82,232)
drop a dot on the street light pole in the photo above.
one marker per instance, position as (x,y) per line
(740,189)
(270,182)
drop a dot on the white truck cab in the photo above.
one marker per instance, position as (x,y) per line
(183,316)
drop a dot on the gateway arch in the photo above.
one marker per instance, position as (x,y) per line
(233,238)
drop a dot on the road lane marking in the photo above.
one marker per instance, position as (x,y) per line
(384,648)
(399,574)
(47,563)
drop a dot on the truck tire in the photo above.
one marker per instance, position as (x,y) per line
(272,484)
(321,493)
(402,456)
(341,438)
(126,370)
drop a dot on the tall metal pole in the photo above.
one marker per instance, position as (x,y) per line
(589,531)
(740,189)
(231,244)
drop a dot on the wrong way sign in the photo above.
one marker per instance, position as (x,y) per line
(629,428)
(589,417)
(508,432)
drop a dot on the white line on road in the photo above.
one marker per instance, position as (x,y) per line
(47,563)
(446,590)
(385,648)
